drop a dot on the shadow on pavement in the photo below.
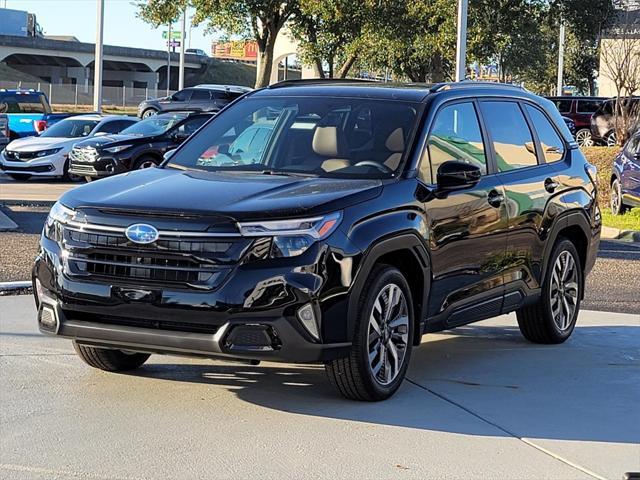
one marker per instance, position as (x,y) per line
(586,389)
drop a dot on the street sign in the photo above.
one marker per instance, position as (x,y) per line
(173,43)
(175,35)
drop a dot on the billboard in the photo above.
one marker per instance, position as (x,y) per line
(235,50)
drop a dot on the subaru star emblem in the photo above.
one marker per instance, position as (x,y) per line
(142,233)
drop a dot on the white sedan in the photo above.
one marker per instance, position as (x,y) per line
(46,155)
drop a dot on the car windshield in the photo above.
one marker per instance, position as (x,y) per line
(70,128)
(343,137)
(154,125)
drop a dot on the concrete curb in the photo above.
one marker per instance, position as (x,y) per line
(6,224)
(610,233)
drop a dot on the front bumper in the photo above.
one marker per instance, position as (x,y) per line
(50,166)
(104,166)
(170,320)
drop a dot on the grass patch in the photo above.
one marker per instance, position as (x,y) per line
(628,221)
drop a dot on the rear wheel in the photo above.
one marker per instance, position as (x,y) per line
(20,177)
(611,140)
(583,138)
(110,360)
(381,349)
(553,318)
(617,206)
(145,162)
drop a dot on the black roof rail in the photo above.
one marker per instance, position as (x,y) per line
(316,81)
(439,87)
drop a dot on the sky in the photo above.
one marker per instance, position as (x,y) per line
(121,26)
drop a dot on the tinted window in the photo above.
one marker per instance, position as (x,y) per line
(588,106)
(550,142)
(512,140)
(564,106)
(200,94)
(221,95)
(455,135)
(23,103)
(115,126)
(191,125)
(154,125)
(303,135)
(182,95)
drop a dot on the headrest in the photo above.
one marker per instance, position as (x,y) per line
(325,142)
(334,164)
(395,141)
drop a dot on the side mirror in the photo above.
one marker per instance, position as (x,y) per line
(179,137)
(168,154)
(100,134)
(457,175)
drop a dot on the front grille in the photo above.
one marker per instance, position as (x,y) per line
(19,156)
(198,262)
(83,154)
(144,323)
(80,168)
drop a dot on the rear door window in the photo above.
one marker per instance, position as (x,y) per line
(550,142)
(512,140)
(200,95)
(455,135)
(588,106)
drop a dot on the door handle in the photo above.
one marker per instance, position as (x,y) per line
(550,185)
(495,199)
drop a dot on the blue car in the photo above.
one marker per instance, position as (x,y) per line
(28,111)
(625,179)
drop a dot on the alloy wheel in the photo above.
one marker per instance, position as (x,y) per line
(611,140)
(564,290)
(149,113)
(615,198)
(147,164)
(388,334)
(583,137)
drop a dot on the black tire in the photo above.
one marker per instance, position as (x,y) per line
(536,322)
(353,376)
(149,112)
(110,360)
(20,177)
(145,162)
(617,206)
(71,177)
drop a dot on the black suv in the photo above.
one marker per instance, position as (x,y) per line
(141,145)
(201,98)
(352,219)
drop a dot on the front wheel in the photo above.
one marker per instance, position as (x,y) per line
(145,162)
(617,206)
(611,139)
(553,318)
(110,360)
(381,348)
(149,112)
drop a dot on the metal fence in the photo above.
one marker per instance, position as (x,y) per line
(76,95)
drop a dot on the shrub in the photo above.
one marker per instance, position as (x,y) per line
(602,158)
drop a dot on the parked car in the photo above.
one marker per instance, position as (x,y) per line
(579,109)
(28,111)
(603,122)
(140,146)
(4,131)
(46,155)
(201,98)
(373,215)
(196,51)
(625,178)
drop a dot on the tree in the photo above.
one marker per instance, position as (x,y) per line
(260,20)
(328,32)
(620,62)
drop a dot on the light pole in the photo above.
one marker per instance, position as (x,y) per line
(169,60)
(461,46)
(559,88)
(97,64)
(182,37)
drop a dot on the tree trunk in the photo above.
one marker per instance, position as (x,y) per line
(346,66)
(437,72)
(265,54)
(319,68)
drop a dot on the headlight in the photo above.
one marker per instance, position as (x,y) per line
(46,153)
(292,237)
(57,215)
(117,149)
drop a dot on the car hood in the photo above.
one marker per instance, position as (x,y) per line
(239,196)
(108,140)
(35,144)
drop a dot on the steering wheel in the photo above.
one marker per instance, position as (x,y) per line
(369,163)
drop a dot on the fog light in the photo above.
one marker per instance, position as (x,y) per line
(307,317)
(48,319)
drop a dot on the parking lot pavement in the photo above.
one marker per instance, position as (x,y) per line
(480,403)
(33,190)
